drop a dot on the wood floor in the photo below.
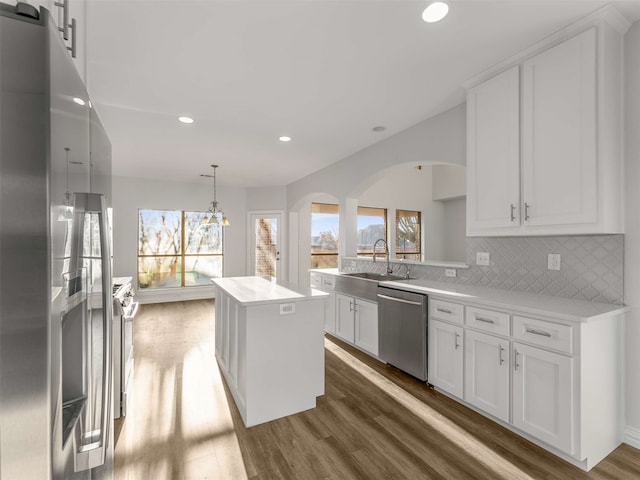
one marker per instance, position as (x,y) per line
(372,423)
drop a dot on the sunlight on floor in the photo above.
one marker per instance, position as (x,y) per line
(486,456)
(179,426)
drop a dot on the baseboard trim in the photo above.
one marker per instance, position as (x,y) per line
(632,436)
(175,294)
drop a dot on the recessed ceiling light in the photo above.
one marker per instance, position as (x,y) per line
(79,101)
(435,12)
(186,119)
(379,128)
(284,139)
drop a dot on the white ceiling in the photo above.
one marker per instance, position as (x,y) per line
(324,72)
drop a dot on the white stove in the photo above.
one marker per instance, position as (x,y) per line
(124,311)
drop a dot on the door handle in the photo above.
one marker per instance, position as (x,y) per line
(526,211)
(485,320)
(457,345)
(513,212)
(387,297)
(443,310)
(515,363)
(500,350)
(537,332)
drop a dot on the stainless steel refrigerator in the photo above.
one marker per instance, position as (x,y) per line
(55,262)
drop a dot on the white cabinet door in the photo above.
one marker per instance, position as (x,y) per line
(559,141)
(543,395)
(493,154)
(445,357)
(366,326)
(344,317)
(330,314)
(487,373)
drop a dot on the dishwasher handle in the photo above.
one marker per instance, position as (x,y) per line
(387,297)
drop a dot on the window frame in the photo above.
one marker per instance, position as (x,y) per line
(324,254)
(182,255)
(369,253)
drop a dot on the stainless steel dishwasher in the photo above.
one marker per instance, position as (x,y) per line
(402,330)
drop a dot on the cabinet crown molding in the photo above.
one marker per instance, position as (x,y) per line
(607,14)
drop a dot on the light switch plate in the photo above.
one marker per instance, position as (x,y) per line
(483,258)
(553,261)
(450,272)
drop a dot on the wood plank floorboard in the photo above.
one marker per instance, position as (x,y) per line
(373,422)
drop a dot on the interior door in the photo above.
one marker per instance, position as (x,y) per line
(266,244)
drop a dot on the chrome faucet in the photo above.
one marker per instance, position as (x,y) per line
(405,265)
(386,250)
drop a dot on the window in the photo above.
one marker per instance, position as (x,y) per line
(408,234)
(176,250)
(372,225)
(324,235)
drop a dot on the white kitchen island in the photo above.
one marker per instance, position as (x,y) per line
(270,346)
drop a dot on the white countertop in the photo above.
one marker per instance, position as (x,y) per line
(249,291)
(557,307)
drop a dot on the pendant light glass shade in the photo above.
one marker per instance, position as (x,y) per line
(214,207)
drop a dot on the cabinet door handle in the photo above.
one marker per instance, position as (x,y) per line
(457,345)
(350,306)
(500,359)
(443,310)
(485,320)
(538,332)
(526,211)
(515,363)
(513,212)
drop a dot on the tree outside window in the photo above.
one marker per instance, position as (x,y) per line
(408,234)
(175,249)
(324,235)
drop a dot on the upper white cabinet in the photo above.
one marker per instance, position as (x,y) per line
(493,153)
(544,137)
(559,150)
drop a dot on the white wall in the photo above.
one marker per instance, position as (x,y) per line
(407,188)
(632,237)
(268,198)
(455,231)
(439,139)
(130,194)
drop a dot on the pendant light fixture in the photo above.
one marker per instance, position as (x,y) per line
(214,207)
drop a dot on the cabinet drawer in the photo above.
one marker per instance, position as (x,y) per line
(450,312)
(328,283)
(315,280)
(546,334)
(488,320)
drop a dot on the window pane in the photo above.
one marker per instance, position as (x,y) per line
(199,270)
(159,272)
(201,238)
(408,234)
(372,225)
(159,232)
(324,228)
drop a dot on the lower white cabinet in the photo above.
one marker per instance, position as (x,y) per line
(487,363)
(557,382)
(543,395)
(446,357)
(357,322)
(326,283)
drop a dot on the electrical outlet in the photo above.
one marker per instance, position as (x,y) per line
(553,261)
(483,258)
(449,272)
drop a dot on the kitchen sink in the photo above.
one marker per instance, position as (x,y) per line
(376,277)
(362,284)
